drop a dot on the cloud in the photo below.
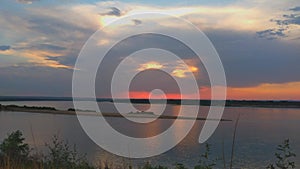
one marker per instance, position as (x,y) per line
(4,48)
(67,60)
(50,47)
(137,21)
(271,34)
(41,32)
(288,20)
(48,38)
(26,1)
(150,65)
(41,46)
(297,8)
(286,25)
(36,57)
(54,58)
(114,11)
(293,19)
(182,71)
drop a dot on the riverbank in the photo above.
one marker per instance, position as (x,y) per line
(52,110)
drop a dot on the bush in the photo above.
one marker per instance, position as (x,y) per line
(63,157)
(14,153)
(149,166)
(14,147)
(283,157)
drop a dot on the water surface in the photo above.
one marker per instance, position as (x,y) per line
(259,131)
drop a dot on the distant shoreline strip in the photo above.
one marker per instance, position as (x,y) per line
(47,110)
(228,103)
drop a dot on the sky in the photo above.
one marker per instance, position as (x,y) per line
(257,40)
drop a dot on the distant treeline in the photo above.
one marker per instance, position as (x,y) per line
(229,103)
(274,104)
(14,107)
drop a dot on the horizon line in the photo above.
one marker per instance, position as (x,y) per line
(69,98)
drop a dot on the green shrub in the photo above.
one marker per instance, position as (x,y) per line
(14,147)
(62,156)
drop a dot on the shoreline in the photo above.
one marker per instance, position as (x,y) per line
(50,110)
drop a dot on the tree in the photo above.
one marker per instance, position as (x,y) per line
(62,156)
(14,147)
(283,157)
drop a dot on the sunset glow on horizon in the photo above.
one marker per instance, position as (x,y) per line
(284,91)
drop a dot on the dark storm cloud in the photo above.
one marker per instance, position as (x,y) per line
(114,11)
(4,47)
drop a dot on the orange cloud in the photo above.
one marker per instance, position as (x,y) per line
(150,65)
(179,73)
(182,72)
(37,57)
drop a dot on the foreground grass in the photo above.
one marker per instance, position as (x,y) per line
(16,154)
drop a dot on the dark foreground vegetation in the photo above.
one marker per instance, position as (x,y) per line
(15,153)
